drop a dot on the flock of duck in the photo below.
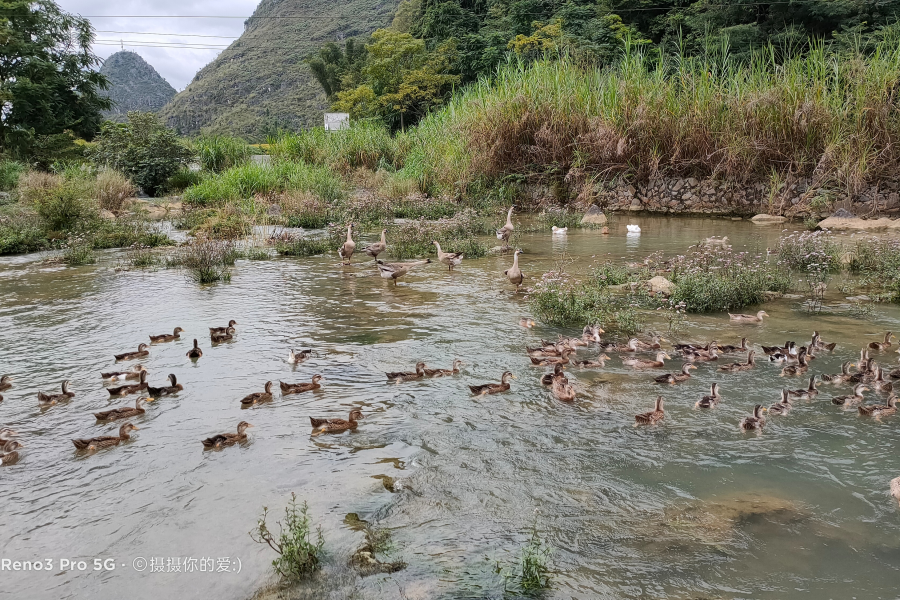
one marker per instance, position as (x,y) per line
(868,376)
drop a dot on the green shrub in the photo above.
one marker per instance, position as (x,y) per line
(416,238)
(10,171)
(142,257)
(123,233)
(560,217)
(64,207)
(298,552)
(206,260)
(609,274)
(559,300)
(183,179)
(143,149)
(217,153)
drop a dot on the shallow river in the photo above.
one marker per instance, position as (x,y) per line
(693,508)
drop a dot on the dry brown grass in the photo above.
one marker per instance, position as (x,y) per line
(112,188)
(34,185)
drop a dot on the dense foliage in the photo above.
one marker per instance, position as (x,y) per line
(47,79)
(143,148)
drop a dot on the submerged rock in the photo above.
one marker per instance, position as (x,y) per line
(764,219)
(594,216)
(857,224)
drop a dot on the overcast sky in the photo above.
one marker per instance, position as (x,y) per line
(178,65)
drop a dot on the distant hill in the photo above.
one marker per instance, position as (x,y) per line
(134,85)
(261,81)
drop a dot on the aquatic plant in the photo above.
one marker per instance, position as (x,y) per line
(535,573)
(560,217)
(255,252)
(719,279)
(78,252)
(298,551)
(141,257)
(416,238)
(558,299)
(256,179)
(304,245)
(207,260)
(801,251)
(877,263)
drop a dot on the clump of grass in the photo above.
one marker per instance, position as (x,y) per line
(366,144)
(608,274)
(142,257)
(304,245)
(299,551)
(256,253)
(877,263)
(718,279)
(258,179)
(10,171)
(532,571)
(814,249)
(218,152)
(111,188)
(124,232)
(78,252)
(560,217)
(21,231)
(558,299)
(416,238)
(206,260)
(302,209)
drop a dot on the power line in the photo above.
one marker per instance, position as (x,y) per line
(173,44)
(226,37)
(132,45)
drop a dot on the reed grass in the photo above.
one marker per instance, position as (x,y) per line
(816,115)
(253,179)
(367,144)
(218,152)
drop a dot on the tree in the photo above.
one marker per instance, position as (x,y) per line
(143,148)
(47,79)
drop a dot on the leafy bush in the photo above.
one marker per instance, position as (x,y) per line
(366,144)
(111,188)
(609,274)
(143,149)
(719,279)
(10,170)
(65,206)
(298,553)
(217,153)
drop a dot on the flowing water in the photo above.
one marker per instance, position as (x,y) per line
(693,508)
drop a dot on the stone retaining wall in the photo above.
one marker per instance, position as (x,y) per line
(689,195)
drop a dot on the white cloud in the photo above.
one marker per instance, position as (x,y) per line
(177,65)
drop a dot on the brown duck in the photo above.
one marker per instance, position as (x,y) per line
(562,359)
(140,353)
(493,388)
(879,410)
(124,390)
(166,337)
(711,400)
(257,397)
(195,352)
(299,388)
(10,452)
(50,399)
(801,367)
(222,336)
(228,439)
(637,363)
(855,398)
(377,248)
(336,425)
(134,373)
(123,412)
(808,394)
(225,329)
(840,378)
(888,336)
(734,349)
(348,247)
(684,375)
(453,370)
(654,416)
(599,363)
(735,367)
(173,388)
(399,376)
(781,407)
(98,443)
(5,383)
(757,421)
(547,378)
(562,389)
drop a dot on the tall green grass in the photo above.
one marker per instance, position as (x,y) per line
(366,144)
(818,115)
(252,179)
(217,152)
